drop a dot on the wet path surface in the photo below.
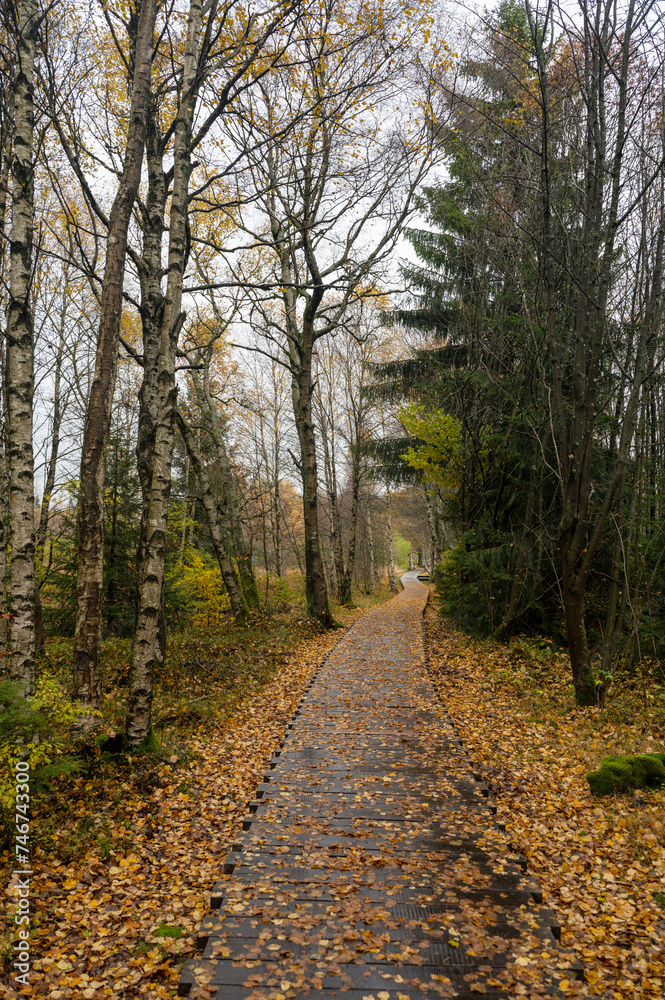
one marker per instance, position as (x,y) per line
(371,867)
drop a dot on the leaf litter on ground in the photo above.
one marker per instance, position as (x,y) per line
(118,918)
(114,915)
(600,862)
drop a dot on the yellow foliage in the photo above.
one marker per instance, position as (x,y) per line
(202,582)
(440,457)
(33,730)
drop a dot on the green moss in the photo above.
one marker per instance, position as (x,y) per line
(625,771)
(169,930)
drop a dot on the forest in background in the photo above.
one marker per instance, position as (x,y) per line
(535,401)
(226,404)
(199,207)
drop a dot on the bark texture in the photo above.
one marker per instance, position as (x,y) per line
(316,593)
(89,583)
(5,158)
(152,318)
(20,360)
(149,646)
(301,340)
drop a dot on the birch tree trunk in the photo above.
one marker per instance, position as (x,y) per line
(277,528)
(152,313)
(20,360)
(5,158)
(89,582)
(149,648)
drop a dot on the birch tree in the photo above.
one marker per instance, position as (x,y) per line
(87,679)
(225,58)
(20,355)
(6,131)
(331,197)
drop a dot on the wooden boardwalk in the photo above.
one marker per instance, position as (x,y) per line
(371,866)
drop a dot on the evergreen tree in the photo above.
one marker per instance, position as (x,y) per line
(479,358)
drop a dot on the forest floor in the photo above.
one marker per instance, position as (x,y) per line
(126,854)
(599,861)
(372,867)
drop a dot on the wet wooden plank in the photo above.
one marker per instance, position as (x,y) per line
(370,866)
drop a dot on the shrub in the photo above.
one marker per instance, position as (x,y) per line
(204,604)
(473,580)
(35,730)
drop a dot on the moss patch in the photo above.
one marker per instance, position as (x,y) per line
(623,772)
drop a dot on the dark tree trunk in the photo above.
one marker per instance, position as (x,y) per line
(316,592)
(89,584)
(347,577)
(578,647)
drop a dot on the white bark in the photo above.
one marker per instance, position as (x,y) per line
(147,652)
(20,361)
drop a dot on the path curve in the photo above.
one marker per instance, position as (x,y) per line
(371,867)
